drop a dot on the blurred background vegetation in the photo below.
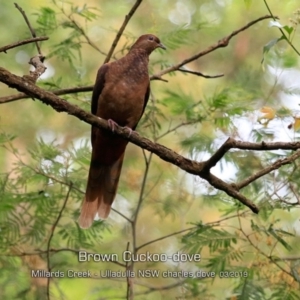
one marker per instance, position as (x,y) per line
(44,155)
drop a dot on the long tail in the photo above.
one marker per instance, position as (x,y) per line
(101,190)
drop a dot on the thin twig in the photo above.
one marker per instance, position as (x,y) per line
(213,223)
(220,44)
(260,251)
(38,60)
(293,189)
(199,74)
(147,167)
(176,127)
(29,26)
(288,258)
(129,291)
(153,77)
(276,165)
(41,172)
(282,32)
(121,30)
(134,221)
(122,215)
(51,236)
(82,31)
(165,237)
(59,92)
(24,42)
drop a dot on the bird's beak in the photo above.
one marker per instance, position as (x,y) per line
(162,46)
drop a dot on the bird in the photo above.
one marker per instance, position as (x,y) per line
(120,95)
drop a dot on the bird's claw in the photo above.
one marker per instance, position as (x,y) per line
(130,130)
(112,124)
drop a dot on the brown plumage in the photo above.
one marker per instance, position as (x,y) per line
(120,94)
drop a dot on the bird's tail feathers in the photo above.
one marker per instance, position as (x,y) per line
(100,192)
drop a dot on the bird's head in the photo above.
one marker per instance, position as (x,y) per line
(148,42)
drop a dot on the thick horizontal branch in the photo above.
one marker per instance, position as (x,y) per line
(24,42)
(234,144)
(61,105)
(166,154)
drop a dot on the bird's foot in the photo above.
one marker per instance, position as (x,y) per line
(111,124)
(130,130)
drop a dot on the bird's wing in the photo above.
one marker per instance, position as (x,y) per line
(146,98)
(98,87)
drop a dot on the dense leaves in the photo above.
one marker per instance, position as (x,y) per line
(159,209)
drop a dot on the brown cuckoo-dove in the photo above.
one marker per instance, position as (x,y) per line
(120,95)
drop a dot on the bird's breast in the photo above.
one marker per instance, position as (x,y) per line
(123,100)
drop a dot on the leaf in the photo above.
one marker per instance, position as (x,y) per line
(282,292)
(268,113)
(288,29)
(272,231)
(271,44)
(5,137)
(267,47)
(215,240)
(297,123)
(248,290)
(46,20)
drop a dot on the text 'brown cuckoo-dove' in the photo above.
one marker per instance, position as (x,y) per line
(120,95)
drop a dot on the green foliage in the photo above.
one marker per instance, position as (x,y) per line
(203,236)
(43,176)
(248,290)
(46,19)
(179,103)
(181,36)
(68,49)
(284,293)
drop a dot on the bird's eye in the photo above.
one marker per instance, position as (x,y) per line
(150,38)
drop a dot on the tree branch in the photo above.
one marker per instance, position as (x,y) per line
(279,163)
(220,44)
(82,31)
(234,144)
(51,236)
(59,92)
(24,42)
(199,73)
(201,169)
(282,32)
(29,26)
(157,76)
(121,30)
(38,60)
